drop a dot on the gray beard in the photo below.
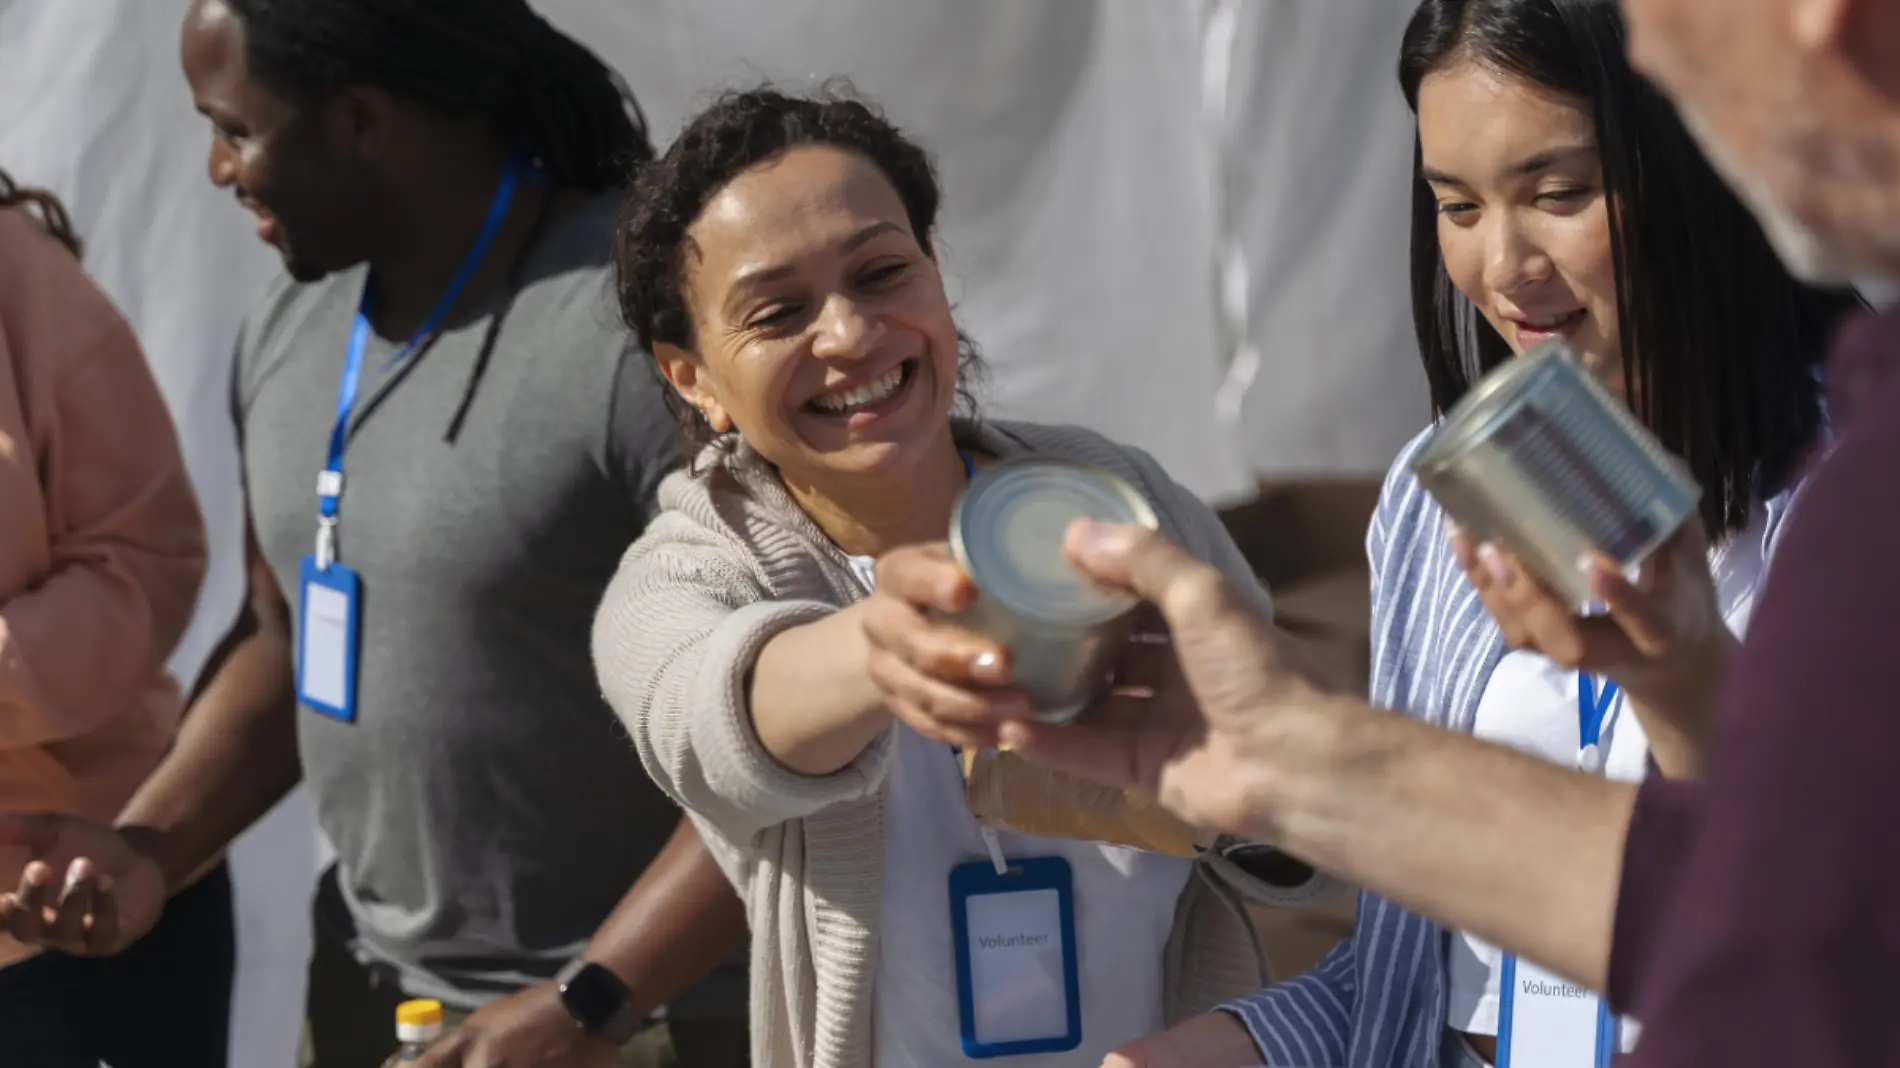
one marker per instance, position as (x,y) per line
(1805,253)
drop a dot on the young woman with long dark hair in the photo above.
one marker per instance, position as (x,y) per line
(1557,195)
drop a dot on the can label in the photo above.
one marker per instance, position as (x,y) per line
(1545,449)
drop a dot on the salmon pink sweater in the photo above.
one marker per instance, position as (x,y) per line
(101,544)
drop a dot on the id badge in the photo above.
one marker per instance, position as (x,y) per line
(327,615)
(1018,990)
(1548,1022)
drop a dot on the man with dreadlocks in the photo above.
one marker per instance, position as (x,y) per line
(447,443)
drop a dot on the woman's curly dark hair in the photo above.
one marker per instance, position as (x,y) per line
(738,132)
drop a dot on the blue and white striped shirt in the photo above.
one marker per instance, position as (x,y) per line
(1378,999)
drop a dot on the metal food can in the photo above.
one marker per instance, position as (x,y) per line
(1062,631)
(1541,457)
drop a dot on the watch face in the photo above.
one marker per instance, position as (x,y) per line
(594,996)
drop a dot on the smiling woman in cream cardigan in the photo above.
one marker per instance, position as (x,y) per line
(778,262)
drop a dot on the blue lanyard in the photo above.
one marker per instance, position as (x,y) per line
(330,481)
(1592,707)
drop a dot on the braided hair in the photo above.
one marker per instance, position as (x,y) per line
(541,89)
(51,212)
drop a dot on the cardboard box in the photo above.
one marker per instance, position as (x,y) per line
(1307,542)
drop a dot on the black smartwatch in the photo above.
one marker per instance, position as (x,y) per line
(599,1002)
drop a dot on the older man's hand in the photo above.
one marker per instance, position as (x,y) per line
(1230,700)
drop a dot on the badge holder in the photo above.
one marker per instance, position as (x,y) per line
(1018,988)
(1545,1021)
(1559,1026)
(327,632)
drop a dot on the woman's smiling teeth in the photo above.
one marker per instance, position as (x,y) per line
(1552,322)
(867,395)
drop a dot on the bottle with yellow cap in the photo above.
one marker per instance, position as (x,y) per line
(418,1024)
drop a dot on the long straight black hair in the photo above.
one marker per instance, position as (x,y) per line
(495,59)
(1720,342)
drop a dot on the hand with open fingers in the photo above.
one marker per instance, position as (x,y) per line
(1225,693)
(1212,1040)
(528,1029)
(946,682)
(85,890)
(1663,640)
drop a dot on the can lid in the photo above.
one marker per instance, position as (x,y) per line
(1008,529)
(1492,398)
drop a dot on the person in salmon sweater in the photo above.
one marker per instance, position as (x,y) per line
(102,550)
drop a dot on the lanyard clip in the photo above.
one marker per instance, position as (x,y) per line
(326,542)
(994,846)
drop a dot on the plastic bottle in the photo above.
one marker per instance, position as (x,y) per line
(418,1024)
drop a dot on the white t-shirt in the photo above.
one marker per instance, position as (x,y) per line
(1531,704)
(1124,902)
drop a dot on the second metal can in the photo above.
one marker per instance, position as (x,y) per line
(1542,457)
(1063,632)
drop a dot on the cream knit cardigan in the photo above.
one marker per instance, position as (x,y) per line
(732,562)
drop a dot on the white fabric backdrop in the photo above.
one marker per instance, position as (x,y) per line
(1317,158)
(1077,215)
(1182,223)
(1179,222)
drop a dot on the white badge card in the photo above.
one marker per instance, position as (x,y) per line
(1017,985)
(327,617)
(1549,1022)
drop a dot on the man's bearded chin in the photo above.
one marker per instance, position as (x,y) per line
(302,270)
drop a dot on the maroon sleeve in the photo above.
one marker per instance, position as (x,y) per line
(1782,942)
(1661,835)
